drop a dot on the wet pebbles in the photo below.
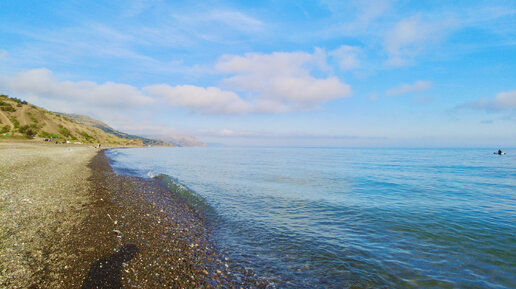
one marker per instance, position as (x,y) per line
(165,243)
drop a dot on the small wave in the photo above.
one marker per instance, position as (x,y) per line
(150,174)
(197,202)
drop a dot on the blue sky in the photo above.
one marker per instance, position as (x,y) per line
(335,73)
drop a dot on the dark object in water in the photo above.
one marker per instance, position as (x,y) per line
(499,152)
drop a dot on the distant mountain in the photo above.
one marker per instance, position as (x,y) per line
(86,120)
(179,141)
(19,119)
(184,141)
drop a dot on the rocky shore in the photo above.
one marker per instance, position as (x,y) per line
(68,221)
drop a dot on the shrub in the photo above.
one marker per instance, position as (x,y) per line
(5,129)
(19,101)
(28,130)
(7,107)
(15,122)
(44,134)
(86,136)
(64,132)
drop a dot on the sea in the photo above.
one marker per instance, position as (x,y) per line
(316,217)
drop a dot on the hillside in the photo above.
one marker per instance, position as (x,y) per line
(165,140)
(19,119)
(88,121)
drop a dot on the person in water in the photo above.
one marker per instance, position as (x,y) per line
(500,152)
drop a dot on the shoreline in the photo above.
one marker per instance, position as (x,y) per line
(171,242)
(123,232)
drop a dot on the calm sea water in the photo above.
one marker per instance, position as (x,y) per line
(333,218)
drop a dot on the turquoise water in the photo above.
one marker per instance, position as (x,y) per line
(333,218)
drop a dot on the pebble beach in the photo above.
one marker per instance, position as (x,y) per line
(68,221)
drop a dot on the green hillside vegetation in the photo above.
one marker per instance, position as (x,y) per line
(19,119)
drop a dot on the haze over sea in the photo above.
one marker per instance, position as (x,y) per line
(338,217)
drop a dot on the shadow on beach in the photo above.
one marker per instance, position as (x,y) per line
(107,271)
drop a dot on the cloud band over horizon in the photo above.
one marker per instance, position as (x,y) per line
(273,83)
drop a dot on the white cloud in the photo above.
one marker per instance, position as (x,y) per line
(347,57)
(502,101)
(365,11)
(137,7)
(277,63)
(204,100)
(232,18)
(236,19)
(372,9)
(221,26)
(110,102)
(273,83)
(418,86)
(506,100)
(410,36)
(41,83)
(282,81)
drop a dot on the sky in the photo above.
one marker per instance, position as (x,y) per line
(370,73)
